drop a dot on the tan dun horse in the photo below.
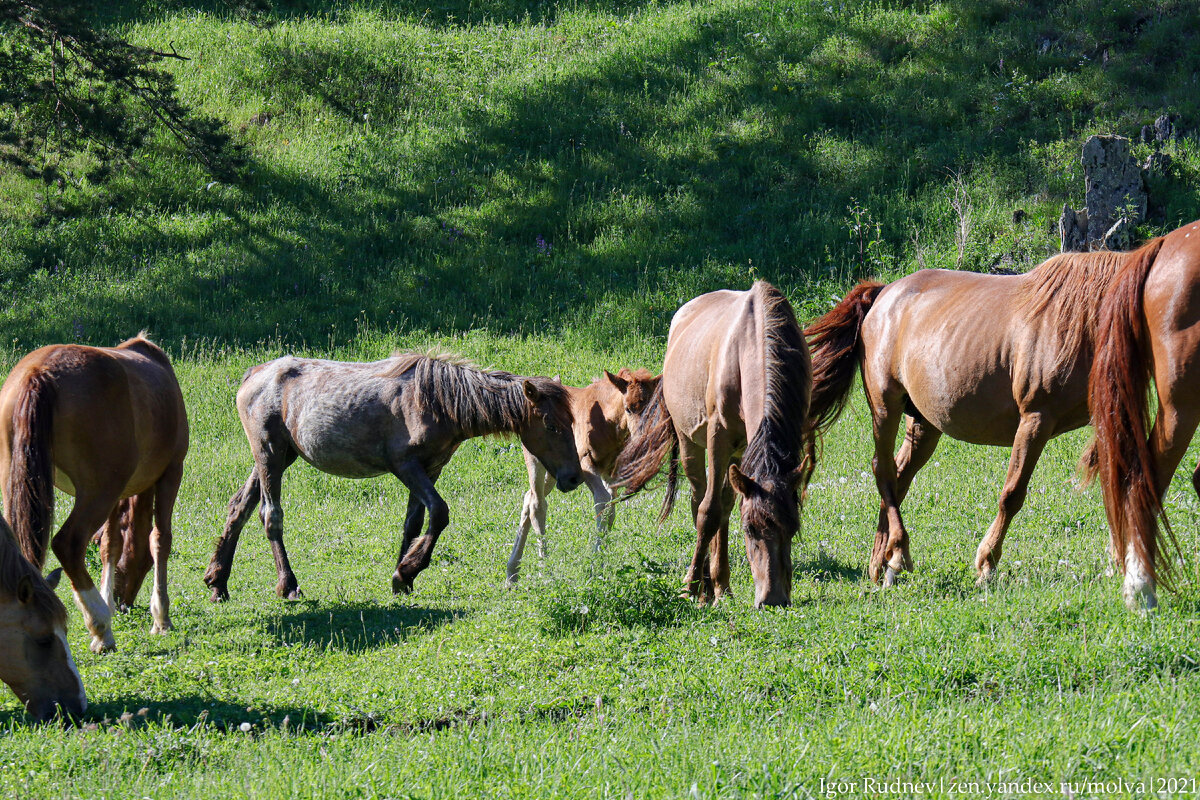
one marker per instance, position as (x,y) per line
(405,416)
(606,411)
(101,424)
(36,661)
(988,359)
(1149,334)
(735,384)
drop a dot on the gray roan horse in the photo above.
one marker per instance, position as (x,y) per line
(406,416)
(736,383)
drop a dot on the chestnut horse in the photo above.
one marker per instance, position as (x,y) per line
(736,382)
(406,416)
(101,424)
(988,359)
(1149,334)
(605,411)
(37,663)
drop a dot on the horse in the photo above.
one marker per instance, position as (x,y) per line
(735,383)
(37,663)
(102,424)
(997,360)
(405,415)
(605,411)
(1148,335)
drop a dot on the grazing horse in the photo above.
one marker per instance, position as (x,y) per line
(102,424)
(1148,334)
(36,661)
(605,411)
(736,382)
(988,359)
(406,416)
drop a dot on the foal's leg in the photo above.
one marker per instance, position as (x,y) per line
(602,504)
(112,542)
(1032,434)
(91,510)
(165,492)
(241,505)
(920,441)
(417,557)
(533,513)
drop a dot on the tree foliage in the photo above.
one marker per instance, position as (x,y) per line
(67,88)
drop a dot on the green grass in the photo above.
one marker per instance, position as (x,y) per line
(539,186)
(465,688)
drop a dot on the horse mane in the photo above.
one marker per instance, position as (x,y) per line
(14,566)
(1068,288)
(479,401)
(784,440)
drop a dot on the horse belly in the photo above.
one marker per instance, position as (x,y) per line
(974,420)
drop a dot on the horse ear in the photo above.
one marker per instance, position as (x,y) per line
(742,484)
(621,384)
(532,391)
(25,590)
(558,378)
(795,477)
(54,577)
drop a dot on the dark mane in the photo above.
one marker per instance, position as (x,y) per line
(476,400)
(14,567)
(784,439)
(1068,287)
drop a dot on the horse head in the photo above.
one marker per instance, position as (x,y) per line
(37,663)
(770,519)
(548,432)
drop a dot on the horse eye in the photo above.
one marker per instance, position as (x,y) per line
(44,642)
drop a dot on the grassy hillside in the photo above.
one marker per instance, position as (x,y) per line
(584,167)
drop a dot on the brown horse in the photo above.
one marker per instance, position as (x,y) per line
(36,661)
(988,359)
(1149,332)
(406,416)
(606,411)
(736,382)
(101,424)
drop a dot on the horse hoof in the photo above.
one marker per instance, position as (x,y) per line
(889,578)
(401,585)
(161,630)
(105,645)
(294,594)
(219,595)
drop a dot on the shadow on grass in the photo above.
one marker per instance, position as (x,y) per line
(825,569)
(355,628)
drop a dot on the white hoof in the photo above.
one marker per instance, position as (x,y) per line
(889,577)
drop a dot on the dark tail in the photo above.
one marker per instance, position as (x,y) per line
(833,342)
(642,457)
(1118,395)
(31,476)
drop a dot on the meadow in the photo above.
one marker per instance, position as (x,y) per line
(538,187)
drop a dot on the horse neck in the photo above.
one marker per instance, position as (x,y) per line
(774,447)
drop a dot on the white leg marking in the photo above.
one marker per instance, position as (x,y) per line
(98,619)
(160,604)
(1138,587)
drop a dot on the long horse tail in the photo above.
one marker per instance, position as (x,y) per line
(642,457)
(833,341)
(31,475)
(1118,392)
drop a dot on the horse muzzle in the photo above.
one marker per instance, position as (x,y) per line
(568,480)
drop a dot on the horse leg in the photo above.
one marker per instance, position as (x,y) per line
(920,441)
(112,542)
(718,550)
(890,537)
(602,504)
(417,556)
(241,505)
(1174,426)
(1032,434)
(691,461)
(90,512)
(165,492)
(270,480)
(533,513)
(710,517)
(136,558)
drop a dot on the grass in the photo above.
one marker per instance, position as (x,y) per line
(539,186)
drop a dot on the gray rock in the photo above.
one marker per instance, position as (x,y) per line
(1072,229)
(1114,190)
